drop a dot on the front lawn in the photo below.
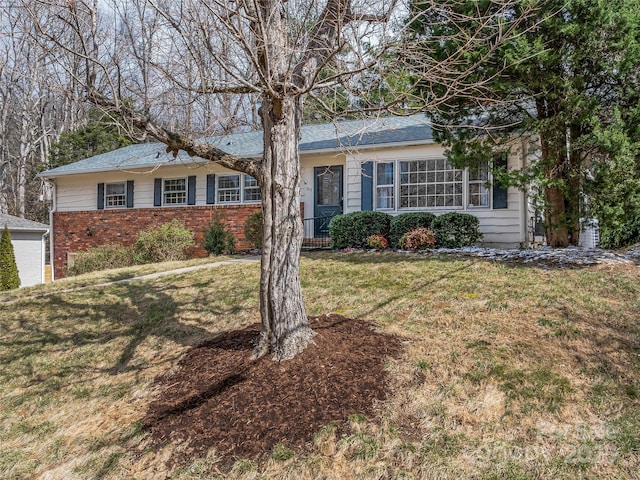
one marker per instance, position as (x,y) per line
(508,371)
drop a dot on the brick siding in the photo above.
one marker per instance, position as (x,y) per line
(122,226)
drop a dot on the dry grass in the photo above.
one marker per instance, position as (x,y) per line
(510,372)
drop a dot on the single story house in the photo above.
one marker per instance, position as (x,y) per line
(29,247)
(386,164)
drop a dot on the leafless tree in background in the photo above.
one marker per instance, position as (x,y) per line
(36,105)
(168,69)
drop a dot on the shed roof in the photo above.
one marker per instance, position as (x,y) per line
(21,224)
(327,137)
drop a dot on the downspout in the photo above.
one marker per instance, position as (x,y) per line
(54,206)
(43,256)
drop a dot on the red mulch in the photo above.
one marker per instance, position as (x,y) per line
(220,398)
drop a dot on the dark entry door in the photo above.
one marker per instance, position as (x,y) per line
(327,197)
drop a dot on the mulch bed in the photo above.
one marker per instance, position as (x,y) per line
(220,398)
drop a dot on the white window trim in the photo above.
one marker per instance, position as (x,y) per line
(396,189)
(240,189)
(470,182)
(243,185)
(186,192)
(385,185)
(435,184)
(106,196)
(219,190)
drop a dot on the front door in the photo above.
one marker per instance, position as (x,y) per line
(327,197)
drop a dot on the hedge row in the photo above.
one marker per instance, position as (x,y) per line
(452,230)
(164,243)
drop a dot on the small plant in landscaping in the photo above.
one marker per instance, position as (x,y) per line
(405,222)
(165,243)
(417,239)
(253,229)
(9,278)
(217,239)
(377,241)
(353,229)
(455,230)
(102,257)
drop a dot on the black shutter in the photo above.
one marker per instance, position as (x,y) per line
(211,189)
(101,196)
(157,192)
(500,191)
(191,190)
(129,193)
(366,191)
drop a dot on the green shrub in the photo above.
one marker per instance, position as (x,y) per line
(9,278)
(353,229)
(378,241)
(455,230)
(102,257)
(620,235)
(165,243)
(217,239)
(406,222)
(417,239)
(253,229)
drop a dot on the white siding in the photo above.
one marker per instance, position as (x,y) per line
(500,227)
(80,192)
(28,250)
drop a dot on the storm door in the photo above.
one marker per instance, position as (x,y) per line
(328,197)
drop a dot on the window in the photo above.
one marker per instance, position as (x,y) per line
(174,191)
(228,188)
(115,195)
(478,185)
(384,185)
(328,186)
(430,183)
(251,190)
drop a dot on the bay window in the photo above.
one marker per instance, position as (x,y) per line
(429,183)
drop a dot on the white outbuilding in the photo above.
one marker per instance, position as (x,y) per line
(29,246)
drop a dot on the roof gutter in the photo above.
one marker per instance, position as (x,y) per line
(44,231)
(376,146)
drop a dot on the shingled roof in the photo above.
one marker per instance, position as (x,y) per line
(328,137)
(21,224)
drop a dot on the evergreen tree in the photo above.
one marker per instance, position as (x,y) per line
(559,82)
(9,278)
(98,136)
(614,188)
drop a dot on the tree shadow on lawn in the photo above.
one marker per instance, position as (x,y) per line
(361,257)
(68,336)
(599,343)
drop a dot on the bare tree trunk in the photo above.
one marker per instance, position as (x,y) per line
(276,50)
(26,146)
(286,330)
